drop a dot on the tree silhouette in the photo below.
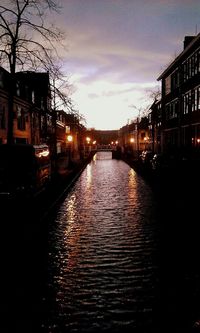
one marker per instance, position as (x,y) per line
(28,42)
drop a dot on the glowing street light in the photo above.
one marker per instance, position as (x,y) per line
(145,142)
(69,138)
(88,139)
(132,140)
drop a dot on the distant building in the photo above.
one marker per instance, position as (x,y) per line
(134,137)
(155,126)
(181,101)
(103,137)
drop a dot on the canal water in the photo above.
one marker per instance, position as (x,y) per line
(116,261)
(103,244)
(122,256)
(102,253)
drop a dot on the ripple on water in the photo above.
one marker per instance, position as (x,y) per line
(102,269)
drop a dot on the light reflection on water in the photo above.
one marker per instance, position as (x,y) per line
(102,268)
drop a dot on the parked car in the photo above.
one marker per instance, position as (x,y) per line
(24,169)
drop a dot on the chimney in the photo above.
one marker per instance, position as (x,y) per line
(187,40)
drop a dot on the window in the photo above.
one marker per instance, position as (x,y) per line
(185,71)
(199,61)
(42,103)
(175,80)
(167,111)
(2,117)
(196,97)
(189,68)
(187,102)
(196,65)
(167,85)
(17,88)
(1,80)
(21,119)
(171,110)
(33,96)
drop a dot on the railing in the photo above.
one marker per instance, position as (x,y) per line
(105,147)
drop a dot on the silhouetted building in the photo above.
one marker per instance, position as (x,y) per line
(35,88)
(181,101)
(31,107)
(155,126)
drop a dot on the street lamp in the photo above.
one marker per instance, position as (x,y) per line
(139,110)
(88,139)
(69,141)
(69,138)
(145,142)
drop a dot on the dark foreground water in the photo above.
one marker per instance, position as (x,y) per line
(121,257)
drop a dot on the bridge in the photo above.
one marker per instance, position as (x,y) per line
(106,147)
(116,153)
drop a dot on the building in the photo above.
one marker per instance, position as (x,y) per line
(180,134)
(134,137)
(31,108)
(4,88)
(155,123)
(34,87)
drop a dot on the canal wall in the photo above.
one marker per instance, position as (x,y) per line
(59,185)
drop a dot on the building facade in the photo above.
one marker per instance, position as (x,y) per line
(31,108)
(155,127)
(180,134)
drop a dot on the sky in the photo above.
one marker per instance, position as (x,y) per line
(116,50)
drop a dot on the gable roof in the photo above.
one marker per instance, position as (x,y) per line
(180,57)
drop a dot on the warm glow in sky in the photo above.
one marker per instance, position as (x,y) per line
(118,48)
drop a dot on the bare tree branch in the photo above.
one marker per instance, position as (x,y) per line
(28,42)
(23,27)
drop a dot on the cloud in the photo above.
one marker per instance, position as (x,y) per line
(118,48)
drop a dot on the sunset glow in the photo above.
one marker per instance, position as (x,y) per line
(117,49)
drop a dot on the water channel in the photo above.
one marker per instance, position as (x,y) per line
(113,265)
(121,258)
(103,244)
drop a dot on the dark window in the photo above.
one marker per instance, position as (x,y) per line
(2,117)
(175,80)
(21,119)
(1,80)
